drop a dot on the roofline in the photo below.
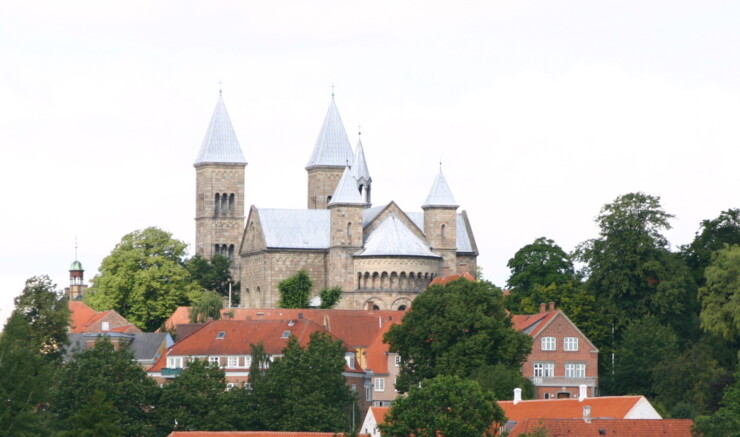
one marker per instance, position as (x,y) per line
(469,230)
(397,256)
(227,164)
(560,312)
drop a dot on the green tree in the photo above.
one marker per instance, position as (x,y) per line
(96,418)
(720,297)
(25,375)
(191,401)
(330,297)
(209,306)
(144,279)
(214,275)
(453,330)
(295,291)
(116,375)
(726,421)
(446,406)
(47,315)
(540,263)
(712,236)
(304,390)
(501,380)
(644,345)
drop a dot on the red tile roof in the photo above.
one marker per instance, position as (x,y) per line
(255,434)
(79,314)
(238,336)
(379,414)
(356,328)
(615,407)
(444,280)
(377,352)
(607,427)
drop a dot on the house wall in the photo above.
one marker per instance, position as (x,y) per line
(560,328)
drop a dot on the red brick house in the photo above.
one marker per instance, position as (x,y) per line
(562,357)
(606,427)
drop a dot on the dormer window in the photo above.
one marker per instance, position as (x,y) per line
(291,323)
(221,335)
(286,334)
(350,358)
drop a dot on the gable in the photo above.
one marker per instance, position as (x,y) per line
(253,239)
(387,211)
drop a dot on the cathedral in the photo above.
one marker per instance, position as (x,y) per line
(381,256)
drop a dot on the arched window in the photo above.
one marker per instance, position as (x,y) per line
(443,232)
(349,233)
(231,203)
(216,204)
(216,249)
(224,203)
(231,252)
(401,307)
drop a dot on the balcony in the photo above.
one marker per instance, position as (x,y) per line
(563,381)
(171,372)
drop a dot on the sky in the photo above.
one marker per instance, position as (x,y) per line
(540,112)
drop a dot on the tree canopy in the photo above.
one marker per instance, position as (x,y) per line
(446,406)
(454,329)
(540,263)
(144,279)
(720,297)
(47,315)
(213,275)
(295,291)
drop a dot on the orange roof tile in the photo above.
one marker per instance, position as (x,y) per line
(616,407)
(377,352)
(379,414)
(356,328)
(608,427)
(79,313)
(444,280)
(255,434)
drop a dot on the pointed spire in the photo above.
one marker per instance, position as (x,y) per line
(440,194)
(346,192)
(332,146)
(220,145)
(359,167)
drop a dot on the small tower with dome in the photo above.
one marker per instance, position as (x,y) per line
(77,287)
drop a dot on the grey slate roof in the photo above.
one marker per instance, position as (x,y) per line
(464,244)
(347,192)
(359,166)
(295,228)
(440,194)
(332,146)
(220,145)
(393,237)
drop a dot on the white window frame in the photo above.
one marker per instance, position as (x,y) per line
(368,394)
(575,370)
(544,369)
(379,384)
(214,360)
(398,361)
(232,362)
(248,361)
(570,344)
(174,362)
(548,344)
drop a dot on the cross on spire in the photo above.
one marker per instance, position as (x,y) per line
(219,87)
(332,90)
(359,129)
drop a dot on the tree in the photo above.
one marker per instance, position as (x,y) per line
(644,345)
(720,297)
(453,330)
(295,291)
(191,401)
(96,418)
(304,390)
(209,306)
(540,263)
(47,315)
(330,297)
(144,279)
(213,274)
(712,236)
(501,380)
(26,375)
(726,421)
(114,374)
(447,406)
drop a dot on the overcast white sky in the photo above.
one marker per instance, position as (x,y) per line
(540,111)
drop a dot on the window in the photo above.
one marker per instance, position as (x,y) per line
(379,384)
(349,357)
(286,334)
(354,388)
(174,362)
(548,343)
(398,361)
(544,369)
(575,370)
(571,343)
(368,393)
(248,361)
(221,335)
(213,360)
(231,385)
(233,362)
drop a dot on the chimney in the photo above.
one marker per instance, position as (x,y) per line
(582,392)
(542,307)
(587,413)
(551,306)
(517,395)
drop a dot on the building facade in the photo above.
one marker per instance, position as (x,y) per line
(380,256)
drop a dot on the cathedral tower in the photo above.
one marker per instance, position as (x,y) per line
(440,223)
(219,188)
(331,154)
(346,206)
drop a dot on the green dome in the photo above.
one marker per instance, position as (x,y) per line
(76,266)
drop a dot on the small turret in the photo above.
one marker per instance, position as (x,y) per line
(440,223)
(362,174)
